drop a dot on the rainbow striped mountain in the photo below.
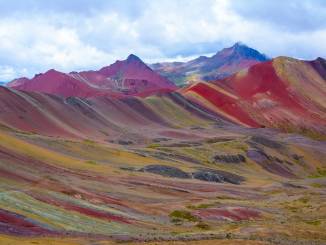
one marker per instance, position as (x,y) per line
(227,149)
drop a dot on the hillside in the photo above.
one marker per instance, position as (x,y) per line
(283,93)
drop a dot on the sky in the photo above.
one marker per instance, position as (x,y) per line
(74,35)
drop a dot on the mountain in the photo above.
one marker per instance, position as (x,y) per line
(58,83)
(130,77)
(224,63)
(282,93)
(2,83)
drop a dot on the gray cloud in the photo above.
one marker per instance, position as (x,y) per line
(293,16)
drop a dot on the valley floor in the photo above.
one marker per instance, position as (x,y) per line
(230,186)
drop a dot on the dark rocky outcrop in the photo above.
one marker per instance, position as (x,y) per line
(121,142)
(128,168)
(218,176)
(270,163)
(229,158)
(266,142)
(157,140)
(257,155)
(218,140)
(290,185)
(210,175)
(125,142)
(167,171)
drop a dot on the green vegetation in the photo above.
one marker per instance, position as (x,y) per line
(223,197)
(91,162)
(313,134)
(217,140)
(305,131)
(321,172)
(313,222)
(304,200)
(153,146)
(182,215)
(234,145)
(292,209)
(89,142)
(202,225)
(228,236)
(317,185)
(203,205)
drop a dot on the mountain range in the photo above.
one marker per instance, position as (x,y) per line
(280,93)
(130,77)
(223,64)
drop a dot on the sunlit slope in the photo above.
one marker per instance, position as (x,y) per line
(100,118)
(283,93)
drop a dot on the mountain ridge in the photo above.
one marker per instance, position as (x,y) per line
(222,64)
(130,77)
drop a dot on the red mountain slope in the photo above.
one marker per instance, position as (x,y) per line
(123,78)
(285,93)
(55,82)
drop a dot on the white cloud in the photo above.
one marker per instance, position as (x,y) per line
(34,43)
(100,32)
(6,73)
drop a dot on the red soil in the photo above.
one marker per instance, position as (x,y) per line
(83,210)
(264,97)
(17,224)
(235,214)
(223,102)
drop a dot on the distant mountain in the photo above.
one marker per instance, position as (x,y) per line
(224,63)
(123,78)
(282,93)
(2,83)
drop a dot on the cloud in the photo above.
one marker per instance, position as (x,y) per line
(34,43)
(6,73)
(291,16)
(37,35)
